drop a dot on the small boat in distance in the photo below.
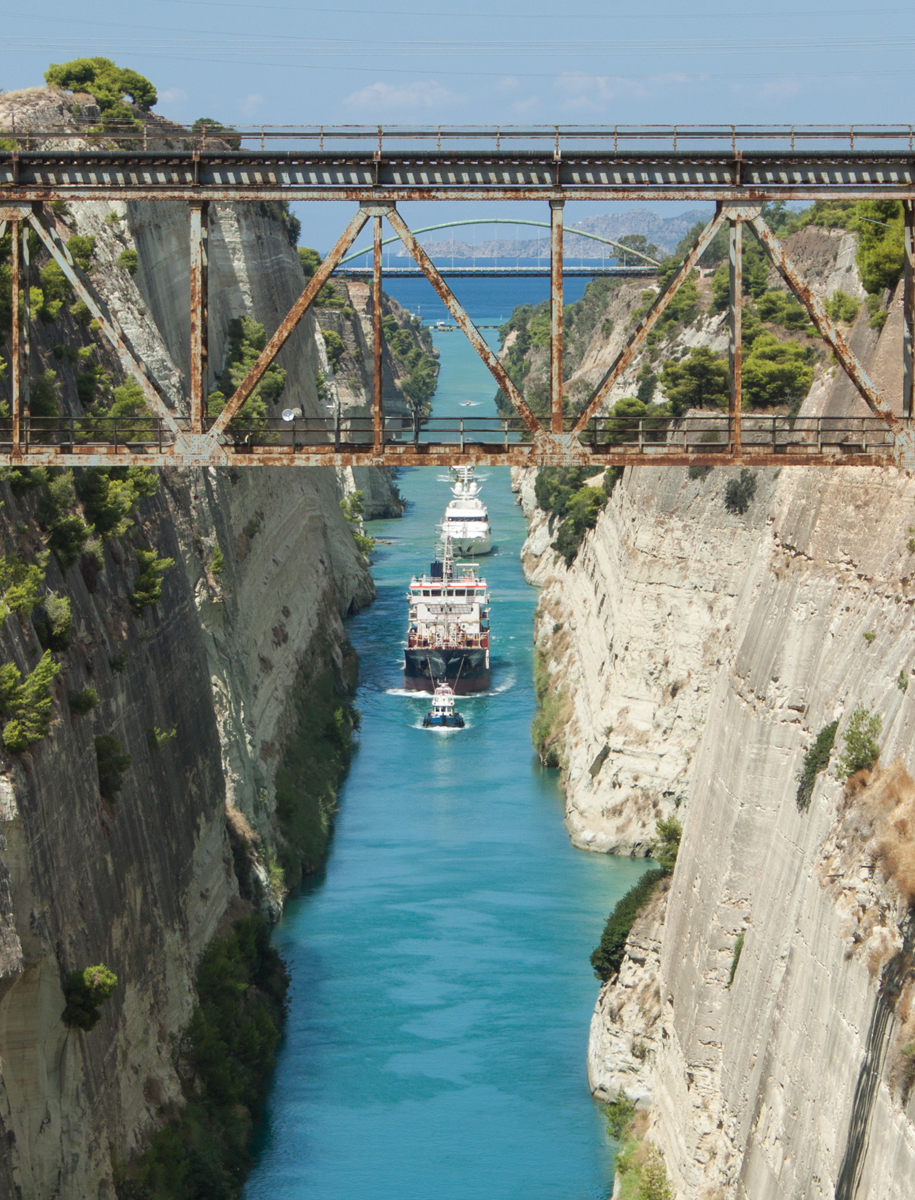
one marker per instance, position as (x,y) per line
(443,714)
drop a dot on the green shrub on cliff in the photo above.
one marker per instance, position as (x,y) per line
(698,381)
(618,1113)
(20,584)
(113,764)
(608,956)
(314,760)
(861,746)
(85,991)
(108,83)
(815,760)
(147,588)
(667,844)
(82,702)
(225,1059)
(26,702)
(246,339)
(53,623)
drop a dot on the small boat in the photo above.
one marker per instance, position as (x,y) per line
(443,715)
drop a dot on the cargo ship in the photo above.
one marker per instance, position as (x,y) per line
(448,631)
(466,519)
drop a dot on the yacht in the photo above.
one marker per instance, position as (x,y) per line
(466,521)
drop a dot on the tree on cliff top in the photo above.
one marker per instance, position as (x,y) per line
(107,83)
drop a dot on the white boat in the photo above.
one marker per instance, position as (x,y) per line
(443,714)
(466,521)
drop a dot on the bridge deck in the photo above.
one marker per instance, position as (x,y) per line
(700,439)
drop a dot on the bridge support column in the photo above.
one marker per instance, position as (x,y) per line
(377,362)
(908,308)
(556,322)
(15,345)
(735,331)
(199,314)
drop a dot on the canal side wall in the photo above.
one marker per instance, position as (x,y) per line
(706,651)
(201,691)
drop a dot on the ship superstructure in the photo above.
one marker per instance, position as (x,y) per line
(466,519)
(448,631)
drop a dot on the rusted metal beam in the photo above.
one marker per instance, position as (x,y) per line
(648,322)
(539,453)
(15,360)
(908,308)
(396,195)
(109,326)
(377,346)
(875,399)
(199,313)
(289,323)
(476,339)
(735,329)
(25,347)
(601,172)
(556,320)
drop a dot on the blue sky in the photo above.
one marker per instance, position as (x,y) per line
(489,61)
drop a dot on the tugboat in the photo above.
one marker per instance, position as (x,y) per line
(443,714)
(448,631)
(466,519)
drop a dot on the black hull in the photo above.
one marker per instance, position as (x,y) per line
(465,670)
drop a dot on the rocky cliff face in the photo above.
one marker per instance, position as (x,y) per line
(266,568)
(701,652)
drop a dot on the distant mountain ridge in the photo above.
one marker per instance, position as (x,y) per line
(665,232)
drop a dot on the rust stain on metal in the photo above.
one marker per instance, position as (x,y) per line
(648,322)
(735,327)
(377,346)
(199,314)
(556,315)
(15,362)
(289,323)
(908,309)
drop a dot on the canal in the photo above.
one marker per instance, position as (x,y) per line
(441,991)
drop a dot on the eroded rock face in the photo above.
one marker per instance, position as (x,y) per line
(706,651)
(143,882)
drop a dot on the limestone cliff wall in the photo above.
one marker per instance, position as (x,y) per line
(143,883)
(700,654)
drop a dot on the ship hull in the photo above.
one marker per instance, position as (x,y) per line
(472,547)
(464,670)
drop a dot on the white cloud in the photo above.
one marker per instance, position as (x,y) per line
(172,96)
(592,93)
(521,107)
(249,105)
(380,98)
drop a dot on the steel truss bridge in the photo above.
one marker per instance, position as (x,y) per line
(377,169)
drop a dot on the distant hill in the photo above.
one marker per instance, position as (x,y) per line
(665,232)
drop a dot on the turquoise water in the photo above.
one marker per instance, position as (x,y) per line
(441,990)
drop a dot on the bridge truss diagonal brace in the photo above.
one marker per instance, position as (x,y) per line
(875,399)
(651,318)
(289,323)
(108,324)
(470,330)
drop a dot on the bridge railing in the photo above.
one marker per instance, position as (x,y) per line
(87,434)
(638,439)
